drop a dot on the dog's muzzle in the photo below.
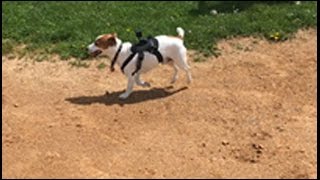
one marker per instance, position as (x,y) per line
(95,53)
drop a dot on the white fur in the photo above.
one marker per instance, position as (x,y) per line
(169,47)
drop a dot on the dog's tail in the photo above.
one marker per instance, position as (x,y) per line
(180,32)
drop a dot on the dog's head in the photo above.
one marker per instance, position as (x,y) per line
(103,44)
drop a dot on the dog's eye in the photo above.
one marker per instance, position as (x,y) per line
(96,43)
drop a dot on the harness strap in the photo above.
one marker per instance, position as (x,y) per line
(127,61)
(115,58)
(158,55)
(139,62)
(154,49)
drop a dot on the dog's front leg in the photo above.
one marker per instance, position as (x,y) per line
(129,88)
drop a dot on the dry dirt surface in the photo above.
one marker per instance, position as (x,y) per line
(250,113)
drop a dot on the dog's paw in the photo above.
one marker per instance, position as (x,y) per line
(123,96)
(189,80)
(146,84)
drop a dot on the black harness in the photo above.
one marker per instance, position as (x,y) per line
(150,45)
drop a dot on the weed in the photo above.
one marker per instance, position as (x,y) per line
(78,63)
(101,66)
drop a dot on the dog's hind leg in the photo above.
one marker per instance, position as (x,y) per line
(188,73)
(139,82)
(175,74)
(129,88)
(182,64)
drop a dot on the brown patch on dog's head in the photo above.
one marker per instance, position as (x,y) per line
(105,41)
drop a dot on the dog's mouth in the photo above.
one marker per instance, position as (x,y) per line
(95,53)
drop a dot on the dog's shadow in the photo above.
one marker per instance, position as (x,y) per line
(135,97)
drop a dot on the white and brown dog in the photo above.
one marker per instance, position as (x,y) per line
(171,48)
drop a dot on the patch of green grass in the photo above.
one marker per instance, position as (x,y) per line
(79,63)
(101,66)
(66,28)
(41,57)
(7,46)
(199,57)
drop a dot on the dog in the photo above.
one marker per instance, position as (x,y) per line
(171,48)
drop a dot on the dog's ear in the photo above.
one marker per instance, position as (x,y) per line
(111,41)
(106,41)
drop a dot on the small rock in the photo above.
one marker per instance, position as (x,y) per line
(203,144)
(15,105)
(280,129)
(224,142)
(79,125)
(253,160)
(52,155)
(257,146)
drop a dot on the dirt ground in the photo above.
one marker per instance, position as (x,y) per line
(250,113)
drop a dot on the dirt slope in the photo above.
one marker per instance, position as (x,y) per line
(251,113)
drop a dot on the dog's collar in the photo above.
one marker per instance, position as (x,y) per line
(115,58)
